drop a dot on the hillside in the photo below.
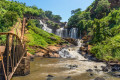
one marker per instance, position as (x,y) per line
(100,21)
(11,17)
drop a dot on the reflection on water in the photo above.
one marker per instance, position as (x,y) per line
(60,69)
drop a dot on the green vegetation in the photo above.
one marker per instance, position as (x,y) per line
(52,17)
(53,24)
(101,22)
(108,49)
(38,37)
(11,11)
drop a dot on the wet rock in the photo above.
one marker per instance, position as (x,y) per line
(83,53)
(68,78)
(32,58)
(115,67)
(94,59)
(116,74)
(95,66)
(83,49)
(72,66)
(97,70)
(91,74)
(105,69)
(89,70)
(49,79)
(98,78)
(71,40)
(50,76)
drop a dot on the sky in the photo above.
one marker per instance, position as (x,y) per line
(59,7)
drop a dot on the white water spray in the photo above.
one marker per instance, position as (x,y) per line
(45,28)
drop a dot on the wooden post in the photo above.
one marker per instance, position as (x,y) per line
(6,56)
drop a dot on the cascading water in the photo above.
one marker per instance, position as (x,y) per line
(72,52)
(45,28)
(59,32)
(65,33)
(62,32)
(73,33)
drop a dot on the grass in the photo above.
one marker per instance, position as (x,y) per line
(38,37)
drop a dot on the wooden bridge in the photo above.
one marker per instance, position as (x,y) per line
(12,51)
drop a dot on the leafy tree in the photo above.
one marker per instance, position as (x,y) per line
(75,11)
(56,18)
(103,6)
(10,16)
(48,14)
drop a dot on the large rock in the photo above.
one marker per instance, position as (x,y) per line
(72,41)
(105,69)
(83,49)
(116,74)
(89,70)
(99,78)
(83,53)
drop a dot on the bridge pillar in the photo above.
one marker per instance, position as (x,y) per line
(23,68)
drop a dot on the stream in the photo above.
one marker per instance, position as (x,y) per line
(72,66)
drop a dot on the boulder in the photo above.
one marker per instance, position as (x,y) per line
(83,53)
(105,69)
(69,77)
(116,74)
(99,78)
(73,66)
(89,70)
(50,76)
(91,74)
(40,54)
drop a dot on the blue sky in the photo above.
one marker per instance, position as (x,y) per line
(59,7)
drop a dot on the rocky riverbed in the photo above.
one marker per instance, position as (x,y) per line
(71,65)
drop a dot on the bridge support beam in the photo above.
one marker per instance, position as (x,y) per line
(23,68)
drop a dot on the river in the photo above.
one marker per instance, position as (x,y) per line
(72,66)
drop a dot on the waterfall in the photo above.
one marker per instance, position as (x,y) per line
(45,28)
(62,32)
(65,33)
(73,33)
(59,32)
(79,42)
(72,52)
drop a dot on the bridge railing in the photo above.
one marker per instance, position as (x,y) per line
(12,50)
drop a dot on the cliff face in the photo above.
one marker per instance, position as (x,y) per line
(114,3)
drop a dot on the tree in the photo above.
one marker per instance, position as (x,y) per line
(75,11)
(11,16)
(48,14)
(34,7)
(56,18)
(103,6)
